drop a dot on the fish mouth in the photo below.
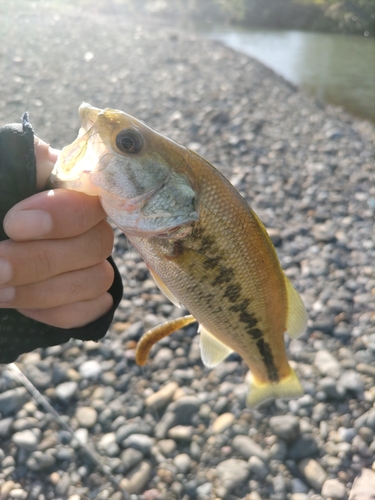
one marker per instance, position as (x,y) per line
(88,116)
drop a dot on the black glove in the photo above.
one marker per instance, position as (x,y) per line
(18,333)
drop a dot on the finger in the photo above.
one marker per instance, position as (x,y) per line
(74,315)
(32,261)
(57,213)
(67,288)
(46,157)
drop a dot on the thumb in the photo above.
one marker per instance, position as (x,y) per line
(45,159)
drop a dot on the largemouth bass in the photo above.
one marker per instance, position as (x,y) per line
(204,245)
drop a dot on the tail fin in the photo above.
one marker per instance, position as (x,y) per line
(288,387)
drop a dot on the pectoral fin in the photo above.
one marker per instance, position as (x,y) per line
(157,333)
(163,287)
(297,315)
(212,350)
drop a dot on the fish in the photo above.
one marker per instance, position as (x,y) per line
(205,247)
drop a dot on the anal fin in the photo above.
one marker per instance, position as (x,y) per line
(212,350)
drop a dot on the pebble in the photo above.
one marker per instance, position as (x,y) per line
(66,391)
(258,467)
(364,486)
(6,488)
(136,480)
(247,447)
(166,446)
(298,486)
(39,461)
(233,472)
(5,425)
(223,422)
(181,432)
(313,472)
(161,398)
(333,489)
(184,409)
(305,446)
(204,490)
(18,494)
(140,442)
(327,364)
(299,496)
(130,457)
(86,416)
(11,401)
(182,462)
(90,369)
(286,427)
(28,439)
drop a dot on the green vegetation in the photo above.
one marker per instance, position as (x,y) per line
(342,16)
(345,16)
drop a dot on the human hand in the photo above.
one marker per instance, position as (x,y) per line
(54,268)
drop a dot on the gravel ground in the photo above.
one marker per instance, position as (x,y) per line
(174,429)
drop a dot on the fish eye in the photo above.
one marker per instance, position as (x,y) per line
(129,141)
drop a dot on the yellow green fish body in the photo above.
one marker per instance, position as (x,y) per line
(203,244)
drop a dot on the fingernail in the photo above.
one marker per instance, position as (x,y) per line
(7,294)
(6,271)
(28,224)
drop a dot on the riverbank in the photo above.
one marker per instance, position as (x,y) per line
(174,429)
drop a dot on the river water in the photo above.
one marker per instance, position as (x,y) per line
(338,69)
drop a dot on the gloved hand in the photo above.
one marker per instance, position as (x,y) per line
(67,257)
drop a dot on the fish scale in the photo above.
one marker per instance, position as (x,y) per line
(203,244)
